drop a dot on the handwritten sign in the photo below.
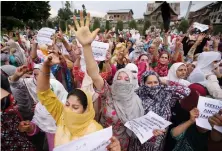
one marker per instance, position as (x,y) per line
(97,141)
(143,127)
(201,27)
(207,107)
(44,36)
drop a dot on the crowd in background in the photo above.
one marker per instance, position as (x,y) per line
(49,97)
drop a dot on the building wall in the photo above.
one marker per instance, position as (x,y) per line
(216,14)
(155,18)
(118,16)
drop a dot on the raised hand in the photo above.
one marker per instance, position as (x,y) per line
(216,119)
(83,33)
(201,37)
(20,71)
(53,58)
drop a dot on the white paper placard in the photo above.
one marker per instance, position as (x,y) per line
(97,141)
(143,127)
(201,27)
(44,35)
(207,107)
(99,50)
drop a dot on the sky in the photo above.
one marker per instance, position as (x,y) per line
(99,8)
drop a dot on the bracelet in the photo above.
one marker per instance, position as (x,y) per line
(46,74)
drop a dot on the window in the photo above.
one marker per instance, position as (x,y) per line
(117,15)
(114,15)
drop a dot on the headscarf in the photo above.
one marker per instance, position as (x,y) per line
(162,69)
(156,99)
(8,69)
(172,74)
(73,125)
(204,67)
(127,104)
(139,50)
(42,118)
(134,69)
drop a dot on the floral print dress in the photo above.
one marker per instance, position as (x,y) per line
(109,117)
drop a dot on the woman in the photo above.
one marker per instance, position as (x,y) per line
(11,138)
(139,49)
(160,99)
(129,46)
(134,69)
(76,118)
(143,64)
(119,102)
(177,73)
(162,65)
(204,73)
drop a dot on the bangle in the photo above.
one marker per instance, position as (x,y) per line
(46,74)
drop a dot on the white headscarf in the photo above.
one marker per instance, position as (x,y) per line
(127,103)
(172,74)
(204,67)
(134,69)
(42,118)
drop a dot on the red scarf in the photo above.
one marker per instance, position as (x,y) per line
(161,69)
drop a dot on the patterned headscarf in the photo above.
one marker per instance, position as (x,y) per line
(162,69)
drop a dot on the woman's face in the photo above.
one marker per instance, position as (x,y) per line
(216,64)
(74,104)
(152,49)
(123,76)
(181,72)
(129,44)
(164,59)
(152,81)
(190,68)
(144,59)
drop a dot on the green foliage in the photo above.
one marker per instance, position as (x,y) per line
(119,26)
(184,25)
(65,13)
(107,25)
(206,22)
(62,25)
(8,23)
(26,10)
(50,24)
(132,24)
(96,24)
(146,26)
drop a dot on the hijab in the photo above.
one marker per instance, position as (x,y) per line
(204,67)
(77,123)
(9,70)
(162,69)
(172,74)
(126,102)
(134,69)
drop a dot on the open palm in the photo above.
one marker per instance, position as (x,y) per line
(83,34)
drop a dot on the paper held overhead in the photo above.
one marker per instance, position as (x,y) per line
(200,26)
(44,36)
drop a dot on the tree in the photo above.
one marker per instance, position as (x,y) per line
(9,23)
(84,10)
(217,29)
(65,13)
(107,25)
(62,25)
(119,26)
(146,26)
(50,24)
(26,10)
(206,22)
(132,24)
(184,25)
(96,24)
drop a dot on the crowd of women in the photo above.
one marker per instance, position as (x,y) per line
(49,98)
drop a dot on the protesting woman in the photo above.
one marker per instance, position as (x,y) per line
(115,99)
